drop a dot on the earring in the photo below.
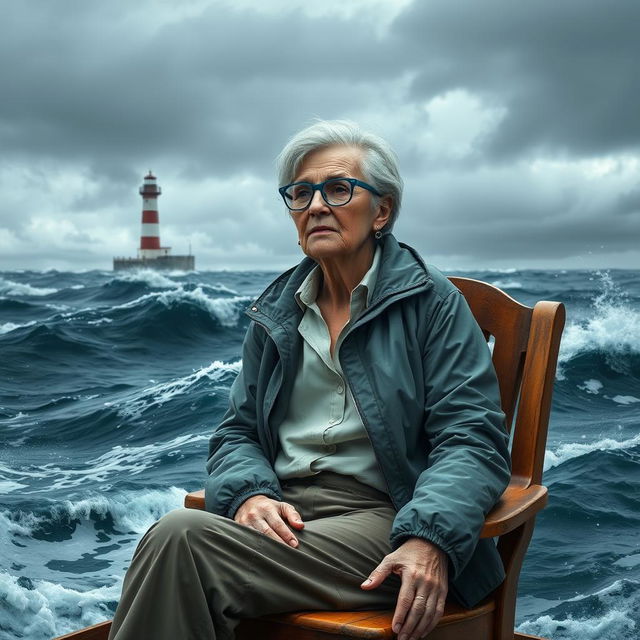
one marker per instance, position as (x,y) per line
(298,242)
(378,234)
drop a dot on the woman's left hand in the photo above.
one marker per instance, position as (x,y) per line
(423,568)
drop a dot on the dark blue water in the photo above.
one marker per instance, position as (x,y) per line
(110,386)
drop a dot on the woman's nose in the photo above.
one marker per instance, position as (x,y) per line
(317,204)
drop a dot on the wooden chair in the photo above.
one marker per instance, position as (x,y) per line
(525,353)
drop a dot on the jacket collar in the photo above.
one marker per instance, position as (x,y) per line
(402,272)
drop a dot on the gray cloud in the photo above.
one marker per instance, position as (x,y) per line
(565,71)
(219,88)
(515,123)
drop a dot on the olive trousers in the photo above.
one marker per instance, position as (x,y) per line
(195,575)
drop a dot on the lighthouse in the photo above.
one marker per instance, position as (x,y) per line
(150,232)
(151,255)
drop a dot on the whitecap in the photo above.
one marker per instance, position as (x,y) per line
(149,277)
(119,461)
(628,562)
(21,524)
(132,510)
(614,625)
(100,321)
(613,328)
(625,399)
(591,386)
(506,270)
(225,310)
(159,394)
(572,450)
(507,284)
(10,326)
(8,287)
(57,307)
(7,486)
(18,416)
(45,609)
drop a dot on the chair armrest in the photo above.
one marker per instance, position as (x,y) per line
(194,500)
(516,505)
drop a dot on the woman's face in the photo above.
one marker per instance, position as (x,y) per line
(325,231)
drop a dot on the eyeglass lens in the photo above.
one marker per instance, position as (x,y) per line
(335,192)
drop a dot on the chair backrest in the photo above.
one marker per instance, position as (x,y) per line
(525,354)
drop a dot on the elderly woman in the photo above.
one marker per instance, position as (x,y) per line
(364,441)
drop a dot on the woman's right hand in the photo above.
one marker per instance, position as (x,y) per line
(270,517)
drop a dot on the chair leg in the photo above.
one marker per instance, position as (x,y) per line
(512,547)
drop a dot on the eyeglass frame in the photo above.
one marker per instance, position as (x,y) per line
(354,182)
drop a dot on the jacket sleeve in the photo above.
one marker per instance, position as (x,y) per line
(237,465)
(468,463)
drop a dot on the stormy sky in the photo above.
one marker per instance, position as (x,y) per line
(517,125)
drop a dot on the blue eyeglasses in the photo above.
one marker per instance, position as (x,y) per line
(336,192)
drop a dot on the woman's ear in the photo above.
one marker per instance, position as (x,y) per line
(385,205)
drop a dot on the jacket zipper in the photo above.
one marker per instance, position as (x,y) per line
(366,430)
(363,319)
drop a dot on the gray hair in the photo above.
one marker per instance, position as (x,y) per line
(379,162)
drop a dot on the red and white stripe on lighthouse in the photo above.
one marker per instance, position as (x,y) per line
(150,233)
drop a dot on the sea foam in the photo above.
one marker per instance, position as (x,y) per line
(159,394)
(10,288)
(614,625)
(131,511)
(119,461)
(620,600)
(225,310)
(10,326)
(507,284)
(149,277)
(572,450)
(591,386)
(613,327)
(39,609)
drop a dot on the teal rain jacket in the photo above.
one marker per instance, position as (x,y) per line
(424,384)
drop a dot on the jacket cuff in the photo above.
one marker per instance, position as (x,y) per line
(398,539)
(245,495)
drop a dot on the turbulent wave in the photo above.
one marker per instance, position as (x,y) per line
(10,326)
(159,394)
(612,326)
(610,613)
(149,277)
(225,310)
(113,382)
(41,609)
(573,450)
(119,461)
(129,511)
(10,288)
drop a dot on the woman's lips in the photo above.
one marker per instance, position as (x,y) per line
(321,230)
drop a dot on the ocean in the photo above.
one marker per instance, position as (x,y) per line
(111,383)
